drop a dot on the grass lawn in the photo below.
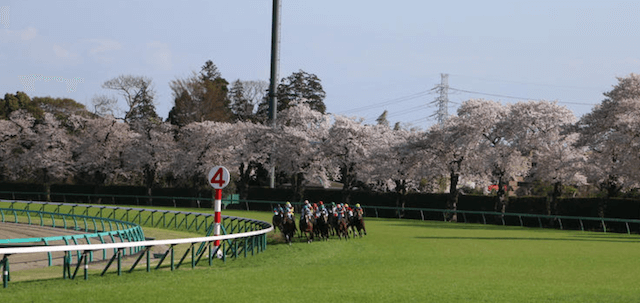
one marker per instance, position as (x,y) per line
(399,261)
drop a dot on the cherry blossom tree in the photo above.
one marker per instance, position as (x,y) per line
(298,146)
(97,153)
(453,150)
(487,120)
(348,148)
(251,153)
(203,145)
(540,129)
(36,149)
(610,133)
(395,161)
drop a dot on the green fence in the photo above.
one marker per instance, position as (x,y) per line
(240,236)
(96,228)
(464,216)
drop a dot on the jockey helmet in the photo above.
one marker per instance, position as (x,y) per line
(358,205)
(333,203)
(346,205)
(315,205)
(288,204)
(320,203)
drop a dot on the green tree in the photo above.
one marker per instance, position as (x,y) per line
(61,108)
(19,101)
(241,106)
(382,119)
(201,97)
(300,87)
(138,95)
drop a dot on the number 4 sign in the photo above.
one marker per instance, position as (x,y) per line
(218,177)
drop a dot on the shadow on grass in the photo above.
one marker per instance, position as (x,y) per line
(479,226)
(449,225)
(611,240)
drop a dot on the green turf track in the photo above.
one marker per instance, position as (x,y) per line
(399,261)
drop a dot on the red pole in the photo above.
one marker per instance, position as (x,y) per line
(217,207)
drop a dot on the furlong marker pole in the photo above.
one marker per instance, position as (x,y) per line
(217,208)
(218,177)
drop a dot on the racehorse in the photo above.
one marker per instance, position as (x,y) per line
(322,227)
(277,221)
(333,224)
(357,223)
(288,229)
(342,230)
(306,228)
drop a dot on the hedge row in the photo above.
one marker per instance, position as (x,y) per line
(582,207)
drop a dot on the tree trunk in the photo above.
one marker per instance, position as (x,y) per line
(612,188)
(149,176)
(297,180)
(47,184)
(349,180)
(555,196)
(501,204)
(452,199)
(401,191)
(242,184)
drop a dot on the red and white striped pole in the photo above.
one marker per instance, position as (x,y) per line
(217,208)
(218,177)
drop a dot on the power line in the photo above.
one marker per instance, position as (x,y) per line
(408,110)
(389,102)
(512,97)
(528,83)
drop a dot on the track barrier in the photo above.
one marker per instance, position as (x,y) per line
(240,236)
(617,225)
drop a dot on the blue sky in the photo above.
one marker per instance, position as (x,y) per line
(369,55)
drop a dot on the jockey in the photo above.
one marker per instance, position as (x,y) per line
(358,209)
(289,208)
(340,211)
(315,208)
(348,210)
(307,213)
(278,210)
(334,209)
(322,211)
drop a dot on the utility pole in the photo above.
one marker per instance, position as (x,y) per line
(443,100)
(273,83)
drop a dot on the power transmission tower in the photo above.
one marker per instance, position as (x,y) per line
(443,100)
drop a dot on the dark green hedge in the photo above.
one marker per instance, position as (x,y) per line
(582,207)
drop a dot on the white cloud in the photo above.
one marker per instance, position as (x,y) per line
(59,51)
(102,48)
(158,55)
(28,34)
(104,45)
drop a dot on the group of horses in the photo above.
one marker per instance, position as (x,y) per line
(323,227)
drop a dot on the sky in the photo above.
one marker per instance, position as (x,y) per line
(370,56)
